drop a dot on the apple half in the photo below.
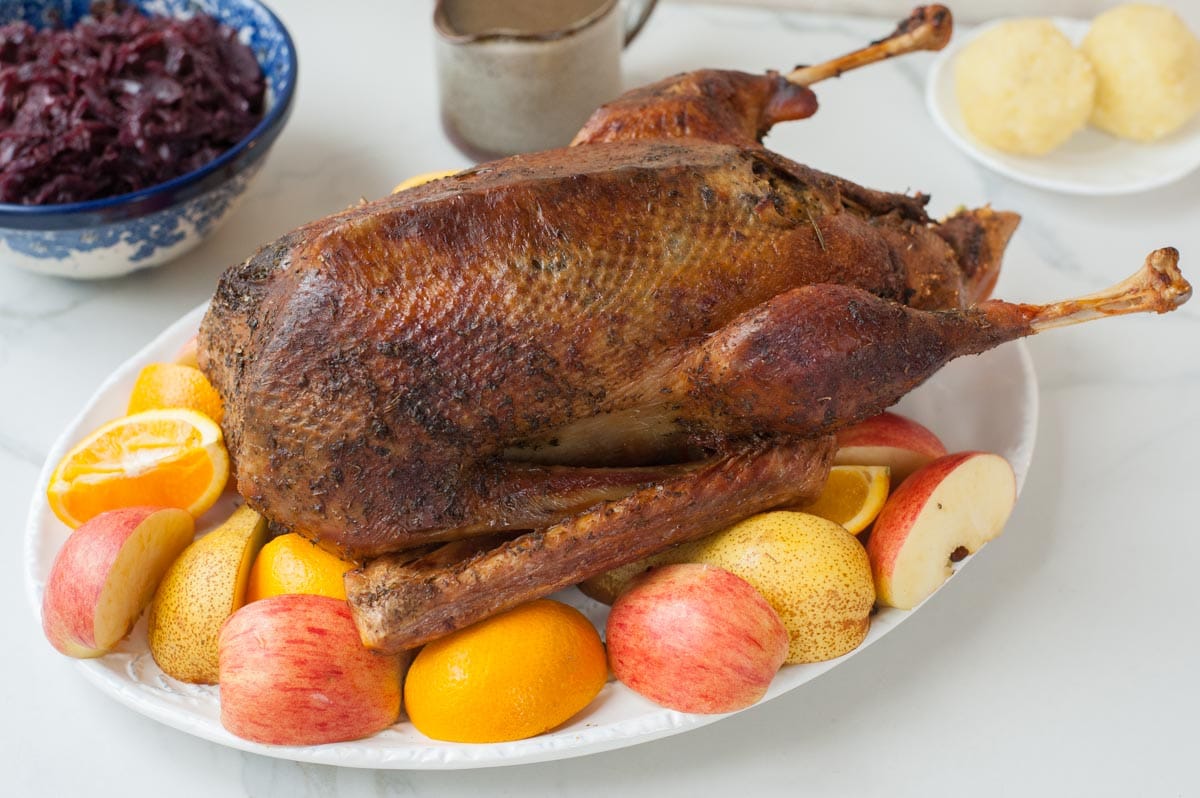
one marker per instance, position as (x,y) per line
(941,513)
(889,439)
(106,573)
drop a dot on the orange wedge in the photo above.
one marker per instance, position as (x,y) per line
(852,497)
(165,458)
(162,385)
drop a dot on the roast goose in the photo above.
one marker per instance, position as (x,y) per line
(505,381)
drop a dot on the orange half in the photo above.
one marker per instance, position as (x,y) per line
(852,497)
(166,458)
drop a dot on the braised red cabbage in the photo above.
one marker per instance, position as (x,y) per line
(119,102)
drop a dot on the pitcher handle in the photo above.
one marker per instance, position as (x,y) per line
(635,18)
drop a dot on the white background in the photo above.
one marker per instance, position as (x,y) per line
(1063,661)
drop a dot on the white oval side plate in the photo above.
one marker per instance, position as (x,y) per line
(1090,162)
(986,402)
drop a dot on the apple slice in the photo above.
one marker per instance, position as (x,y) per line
(293,671)
(891,440)
(941,513)
(106,573)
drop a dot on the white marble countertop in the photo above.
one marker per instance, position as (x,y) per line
(1062,663)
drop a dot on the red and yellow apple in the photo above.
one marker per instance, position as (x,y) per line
(891,440)
(106,573)
(941,513)
(293,671)
(811,571)
(695,638)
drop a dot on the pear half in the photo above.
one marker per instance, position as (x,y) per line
(203,588)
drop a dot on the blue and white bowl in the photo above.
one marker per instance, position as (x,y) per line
(116,235)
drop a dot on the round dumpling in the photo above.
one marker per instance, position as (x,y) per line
(1023,88)
(1147,66)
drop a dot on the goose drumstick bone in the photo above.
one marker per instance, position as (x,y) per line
(927,28)
(739,108)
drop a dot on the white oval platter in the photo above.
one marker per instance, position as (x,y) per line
(987,402)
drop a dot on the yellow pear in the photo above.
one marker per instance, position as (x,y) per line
(203,588)
(813,572)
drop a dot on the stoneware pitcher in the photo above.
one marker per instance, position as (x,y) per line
(524,75)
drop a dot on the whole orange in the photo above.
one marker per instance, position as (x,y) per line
(293,564)
(512,676)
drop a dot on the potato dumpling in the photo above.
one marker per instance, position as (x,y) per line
(1023,88)
(1147,67)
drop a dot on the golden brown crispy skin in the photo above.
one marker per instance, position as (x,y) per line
(399,604)
(799,364)
(711,104)
(377,365)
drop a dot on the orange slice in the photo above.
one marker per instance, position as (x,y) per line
(852,497)
(162,385)
(165,458)
(428,177)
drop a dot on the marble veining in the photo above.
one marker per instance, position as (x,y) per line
(19,450)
